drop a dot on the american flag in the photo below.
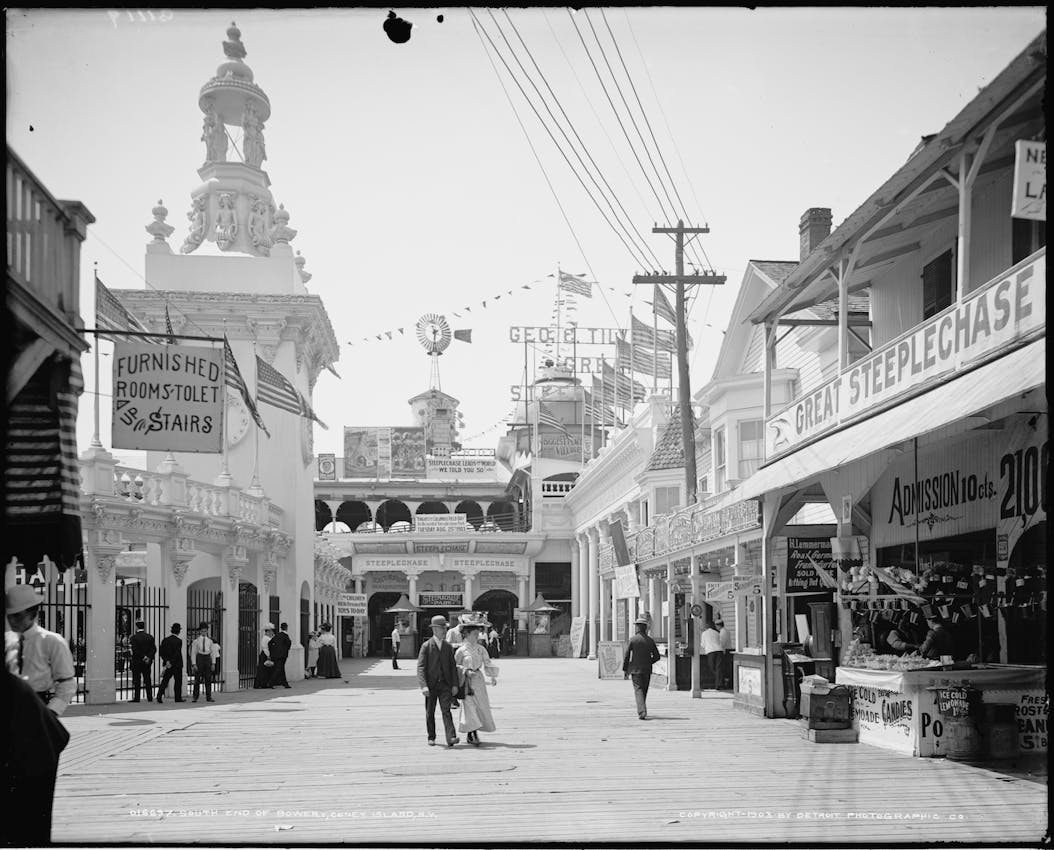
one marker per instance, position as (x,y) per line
(546,417)
(663,309)
(308,413)
(272,388)
(575,283)
(623,385)
(660,340)
(112,315)
(644,359)
(233,379)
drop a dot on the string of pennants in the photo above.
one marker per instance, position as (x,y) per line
(466,311)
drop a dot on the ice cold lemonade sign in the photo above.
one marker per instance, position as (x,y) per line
(1004,310)
(167,398)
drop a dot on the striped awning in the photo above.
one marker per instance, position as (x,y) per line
(41,470)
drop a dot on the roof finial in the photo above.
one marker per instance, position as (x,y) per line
(234,49)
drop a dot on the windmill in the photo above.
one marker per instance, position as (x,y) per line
(433,332)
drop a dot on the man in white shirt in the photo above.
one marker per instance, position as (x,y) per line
(203,653)
(43,657)
(726,647)
(453,636)
(713,651)
(396,638)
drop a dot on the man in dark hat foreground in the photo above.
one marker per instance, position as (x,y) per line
(640,655)
(171,653)
(437,677)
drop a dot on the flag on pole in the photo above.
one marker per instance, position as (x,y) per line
(233,379)
(577,284)
(168,326)
(644,359)
(112,315)
(308,413)
(546,417)
(272,388)
(660,340)
(663,309)
(624,385)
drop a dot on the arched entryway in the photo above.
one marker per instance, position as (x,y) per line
(323,515)
(432,508)
(499,605)
(472,511)
(353,514)
(391,512)
(503,514)
(381,624)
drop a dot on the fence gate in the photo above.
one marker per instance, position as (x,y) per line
(134,601)
(248,633)
(65,610)
(204,606)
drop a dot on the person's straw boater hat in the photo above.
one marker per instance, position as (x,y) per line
(21,597)
(268,627)
(439,620)
(641,620)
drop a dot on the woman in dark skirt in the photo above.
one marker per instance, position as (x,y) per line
(264,665)
(327,654)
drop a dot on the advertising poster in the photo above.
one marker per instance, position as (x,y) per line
(801,577)
(360,453)
(168,398)
(408,452)
(327,467)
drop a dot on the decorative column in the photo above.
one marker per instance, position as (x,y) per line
(467,579)
(100,561)
(412,577)
(605,614)
(654,606)
(671,639)
(576,597)
(235,564)
(179,553)
(521,580)
(614,608)
(593,538)
(582,542)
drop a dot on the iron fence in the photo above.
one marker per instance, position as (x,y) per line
(203,606)
(248,634)
(134,602)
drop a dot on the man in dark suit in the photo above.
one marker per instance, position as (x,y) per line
(143,649)
(172,655)
(279,646)
(437,678)
(640,655)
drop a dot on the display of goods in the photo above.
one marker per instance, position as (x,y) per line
(863,656)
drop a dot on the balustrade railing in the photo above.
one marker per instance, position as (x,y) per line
(553,489)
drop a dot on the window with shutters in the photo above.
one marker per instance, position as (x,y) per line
(938,284)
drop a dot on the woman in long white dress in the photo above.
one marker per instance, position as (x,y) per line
(312,654)
(474,664)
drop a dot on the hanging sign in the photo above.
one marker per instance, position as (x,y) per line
(327,467)
(167,398)
(1030,181)
(720,591)
(351,605)
(626,586)
(441,600)
(801,575)
(459,467)
(440,523)
(567,335)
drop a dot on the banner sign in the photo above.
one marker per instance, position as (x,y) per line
(992,318)
(168,398)
(565,335)
(440,523)
(384,453)
(559,447)
(720,591)
(1030,181)
(578,633)
(327,467)
(351,605)
(626,586)
(748,585)
(441,600)
(801,577)
(459,467)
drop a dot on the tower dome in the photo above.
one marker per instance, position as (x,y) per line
(232,90)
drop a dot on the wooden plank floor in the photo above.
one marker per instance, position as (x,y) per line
(346,760)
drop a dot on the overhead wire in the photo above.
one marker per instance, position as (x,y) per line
(480,32)
(570,124)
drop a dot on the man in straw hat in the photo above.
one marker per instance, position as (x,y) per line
(43,658)
(641,653)
(437,677)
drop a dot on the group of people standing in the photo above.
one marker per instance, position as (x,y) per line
(321,661)
(452,671)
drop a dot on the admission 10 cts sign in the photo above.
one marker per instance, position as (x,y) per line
(167,398)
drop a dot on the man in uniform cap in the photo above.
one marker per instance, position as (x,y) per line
(43,658)
(641,653)
(437,677)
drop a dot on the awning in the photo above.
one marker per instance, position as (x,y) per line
(988,385)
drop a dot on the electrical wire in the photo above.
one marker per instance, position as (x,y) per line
(570,124)
(635,252)
(480,32)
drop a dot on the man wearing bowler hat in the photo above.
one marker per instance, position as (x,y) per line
(640,655)
(171,653)
(437,677)
(44,659)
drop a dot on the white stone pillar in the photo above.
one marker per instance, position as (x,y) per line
(671,638)
(469,597)
(576,599)
(605,613)
(655,606)
(234,568)
(412,578)
(99,678)
(524,602)
(582,542)
(593,537)
(614,609)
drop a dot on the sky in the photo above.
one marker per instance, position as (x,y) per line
(415,190)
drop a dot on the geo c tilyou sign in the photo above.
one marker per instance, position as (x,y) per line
(167,398)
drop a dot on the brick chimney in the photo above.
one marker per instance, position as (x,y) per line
(815,226)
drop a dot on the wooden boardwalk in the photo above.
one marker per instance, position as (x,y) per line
(346,761)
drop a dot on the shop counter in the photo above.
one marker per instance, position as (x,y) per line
(748,681)
(898,711)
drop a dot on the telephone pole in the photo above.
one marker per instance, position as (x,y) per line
(680,280)
(684,395)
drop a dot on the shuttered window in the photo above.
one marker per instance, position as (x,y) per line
(938,284)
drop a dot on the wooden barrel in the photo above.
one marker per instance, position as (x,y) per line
(961,740)
(1000,732)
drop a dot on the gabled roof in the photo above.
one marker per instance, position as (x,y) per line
(669,451)
(776,270)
